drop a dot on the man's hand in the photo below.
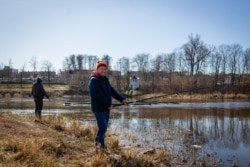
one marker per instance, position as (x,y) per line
(124,102)
(110,108)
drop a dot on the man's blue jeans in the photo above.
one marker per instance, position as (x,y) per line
(102,119)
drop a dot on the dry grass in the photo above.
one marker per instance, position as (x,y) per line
(24,91)
(57,142)
(27,87)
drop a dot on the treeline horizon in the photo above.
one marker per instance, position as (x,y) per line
(192,66)
(194,53)
(224,64)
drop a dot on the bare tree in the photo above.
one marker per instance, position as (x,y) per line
(123,65)
(92,61)
(216,64)
(234,56)
(246,61)
(108,60)
(22,69)
(1,70)
(72,59)
(79,61)
(153,70)
(157,64)
(142,62)
(9,72)
(196,53)
(223,52)
(67,64)
(169,62)
(73,62)
(33,63)
(47,66)
(84,61)
(181,63)
(246,68)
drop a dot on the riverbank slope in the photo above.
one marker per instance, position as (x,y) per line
(24,142)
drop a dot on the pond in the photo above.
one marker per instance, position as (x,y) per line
(222,129)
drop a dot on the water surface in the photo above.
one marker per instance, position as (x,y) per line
(221,128)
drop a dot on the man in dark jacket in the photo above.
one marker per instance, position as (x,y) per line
(101,93)
(38,94)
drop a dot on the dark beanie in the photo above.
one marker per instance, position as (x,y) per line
(39,80)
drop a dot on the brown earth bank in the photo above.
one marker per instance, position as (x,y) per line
(218,92)
(54,143)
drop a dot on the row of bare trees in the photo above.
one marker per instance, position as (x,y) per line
(191,63)
(81,62)
(193,57)
(224,64)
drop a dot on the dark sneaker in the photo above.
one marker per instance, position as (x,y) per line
(97,147)
(104,151)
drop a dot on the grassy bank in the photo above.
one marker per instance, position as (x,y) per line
(20,91)
(60,142)
(60,90)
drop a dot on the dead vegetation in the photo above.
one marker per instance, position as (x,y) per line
(56,142)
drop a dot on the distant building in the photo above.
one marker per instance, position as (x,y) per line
(8,74)
(31,76)
(72,77)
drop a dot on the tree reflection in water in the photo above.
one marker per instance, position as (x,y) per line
(220,128)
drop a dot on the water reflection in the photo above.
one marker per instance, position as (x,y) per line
(220,127)
(223,128)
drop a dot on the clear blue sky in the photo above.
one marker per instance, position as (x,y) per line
(54,29)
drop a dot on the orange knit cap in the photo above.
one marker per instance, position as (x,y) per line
(100,63)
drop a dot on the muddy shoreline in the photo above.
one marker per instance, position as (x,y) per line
(73,146)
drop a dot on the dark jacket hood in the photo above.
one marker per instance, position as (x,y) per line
(39,80)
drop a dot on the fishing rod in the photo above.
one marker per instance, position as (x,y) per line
(163,95)
(69,103)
